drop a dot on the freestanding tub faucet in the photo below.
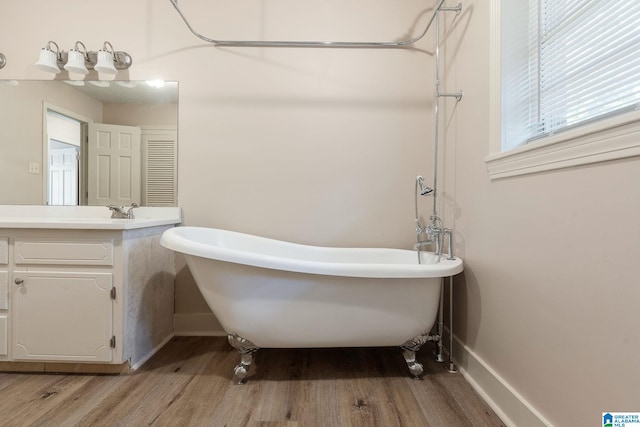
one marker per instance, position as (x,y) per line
(433,233)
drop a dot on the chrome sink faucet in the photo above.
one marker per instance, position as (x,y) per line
(119,212)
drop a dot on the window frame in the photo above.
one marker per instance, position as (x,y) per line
(613,138)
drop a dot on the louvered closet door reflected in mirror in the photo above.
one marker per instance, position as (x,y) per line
(159,166)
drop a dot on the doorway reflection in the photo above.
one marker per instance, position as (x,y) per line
(64,136)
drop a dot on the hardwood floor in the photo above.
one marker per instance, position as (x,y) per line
(188,383)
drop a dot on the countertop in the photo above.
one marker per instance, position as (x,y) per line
(84,217)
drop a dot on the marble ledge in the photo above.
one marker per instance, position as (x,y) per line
(84,217)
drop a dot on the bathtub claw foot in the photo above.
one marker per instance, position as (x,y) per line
(246,349)
(409,350)
(415,368)
(242,371)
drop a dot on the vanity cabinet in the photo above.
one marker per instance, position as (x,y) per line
(78,297)
(4,294)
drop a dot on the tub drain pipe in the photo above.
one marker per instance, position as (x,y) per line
(439,354)
(440,350)
(452,366)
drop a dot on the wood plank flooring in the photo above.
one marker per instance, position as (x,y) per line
(188,383)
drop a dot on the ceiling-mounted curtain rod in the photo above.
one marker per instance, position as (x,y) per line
(343,44)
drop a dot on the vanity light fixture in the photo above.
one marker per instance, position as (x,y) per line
(48,59)
(3,60)
(106,62)
(78,60)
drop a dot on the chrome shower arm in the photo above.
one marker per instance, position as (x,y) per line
(284,43)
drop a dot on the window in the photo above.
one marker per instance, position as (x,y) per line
(584,62)
(567,72)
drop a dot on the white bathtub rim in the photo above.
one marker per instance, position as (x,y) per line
(172,239)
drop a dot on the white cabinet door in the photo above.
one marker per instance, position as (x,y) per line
(63,316)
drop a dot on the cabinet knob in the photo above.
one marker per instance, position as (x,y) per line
(19,282)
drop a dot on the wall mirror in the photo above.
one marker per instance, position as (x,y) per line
(88,142)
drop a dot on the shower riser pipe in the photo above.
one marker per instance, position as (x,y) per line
(434,216)
(436,116)
(438,95)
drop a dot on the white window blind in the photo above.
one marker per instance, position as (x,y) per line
(584,62)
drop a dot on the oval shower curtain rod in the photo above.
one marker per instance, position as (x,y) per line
(343,44)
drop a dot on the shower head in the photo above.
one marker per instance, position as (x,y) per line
(424,190)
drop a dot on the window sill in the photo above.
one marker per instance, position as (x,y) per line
(612,139)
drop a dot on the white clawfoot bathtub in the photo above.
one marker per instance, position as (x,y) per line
(273,294)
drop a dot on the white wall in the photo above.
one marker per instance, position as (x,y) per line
(549,296)
(322,146)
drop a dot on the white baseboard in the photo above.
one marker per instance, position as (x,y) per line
(503,399)
(197,324)
(151,353)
